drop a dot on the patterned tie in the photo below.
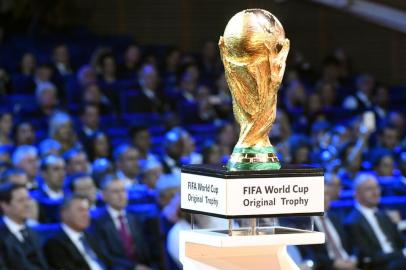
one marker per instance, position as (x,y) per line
(90,252)
(330,240)
(126,239)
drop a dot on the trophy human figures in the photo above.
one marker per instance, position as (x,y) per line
(254,50)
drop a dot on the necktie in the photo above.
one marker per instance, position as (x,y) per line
(330,240)
(90,252)
(126,238)
(25,235)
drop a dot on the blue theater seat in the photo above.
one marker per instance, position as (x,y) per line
(142,119)
(201,129)
(45,231)
(344,207)
(147,209)
(115,132)
(157,130)
(111,121)
(49,209)
(22,84)
(138,194)
(144,210)
(22,102)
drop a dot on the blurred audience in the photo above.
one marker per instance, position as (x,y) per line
(83,185)
(53,174)
(25,157)
(24,133)
(76,161)
(14,176)
(61,130)
(77,109)
(126,159)
(6,127)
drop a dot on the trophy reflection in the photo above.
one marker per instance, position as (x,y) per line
(254,50)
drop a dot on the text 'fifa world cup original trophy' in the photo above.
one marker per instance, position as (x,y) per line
(254,50)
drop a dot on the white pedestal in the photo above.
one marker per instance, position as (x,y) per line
(208,250)
(214,191)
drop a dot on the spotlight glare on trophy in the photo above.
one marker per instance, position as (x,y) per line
(266,206)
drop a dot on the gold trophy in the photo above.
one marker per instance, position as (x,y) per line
(254,50)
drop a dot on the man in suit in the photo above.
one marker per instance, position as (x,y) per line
(149,99)
(14,175)
(362,100)
(76,161)
(61,60)
(89,122)
(132,242)
(126,158)
(19,245)
(50,194)
(53,173)
(376,238)
(25,157)
(71,248)
(84,185)
(335,254)
(174,148)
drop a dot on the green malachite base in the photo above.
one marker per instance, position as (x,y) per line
(253,159)
(254,166)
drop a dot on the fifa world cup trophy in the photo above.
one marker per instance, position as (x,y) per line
(254,50)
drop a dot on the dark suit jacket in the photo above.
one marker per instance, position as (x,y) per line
(366,243)
(18,256)
(319,253)
(2,264)
(48,208)
(141,103)
(61,253)
(146,237)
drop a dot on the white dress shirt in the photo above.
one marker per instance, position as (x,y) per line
(175,169)
(369,214)
(334,234)
(75,236)
(63,69)
(88,131)
(172,241)
(54,195)
(351,102)
(14,228)
(149,93)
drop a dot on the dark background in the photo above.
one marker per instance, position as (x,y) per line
(314,30)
